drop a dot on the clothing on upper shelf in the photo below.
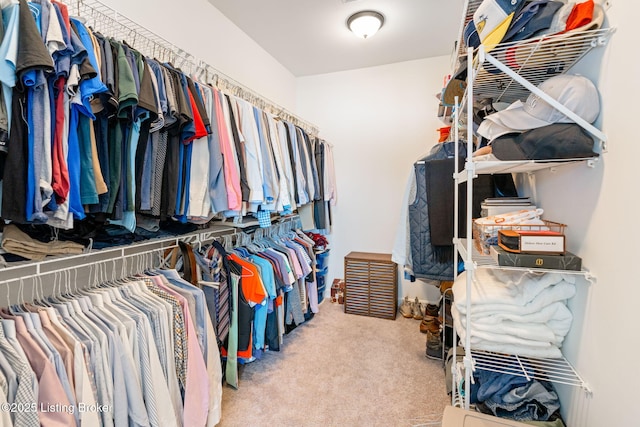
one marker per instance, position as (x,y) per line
(96,128)
(17,242)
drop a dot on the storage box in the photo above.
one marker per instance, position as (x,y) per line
(337,291)
(337,285)
(321,285)
(487,235)
(371,285)
(458,417)
(531,242)
(567,261)
(322,260)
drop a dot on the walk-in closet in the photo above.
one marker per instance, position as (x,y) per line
(235,213)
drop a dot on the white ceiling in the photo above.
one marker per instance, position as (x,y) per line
(310,36)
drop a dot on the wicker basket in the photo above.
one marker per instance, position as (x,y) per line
(485,235)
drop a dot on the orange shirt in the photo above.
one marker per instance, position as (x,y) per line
(252,287)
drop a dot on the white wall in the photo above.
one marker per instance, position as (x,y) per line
(380,120)
(199,28)
(601,207)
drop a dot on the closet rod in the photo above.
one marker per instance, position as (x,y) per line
(111,23)
(120,266)
(95,273)
(10,274)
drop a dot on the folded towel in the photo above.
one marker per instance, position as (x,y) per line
(534,334)
(551,324)
(492,289)
(515,313)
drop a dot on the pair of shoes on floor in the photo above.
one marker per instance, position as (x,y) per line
(406,308)
(434,345)
(431,320)
(411,309)
(418,313)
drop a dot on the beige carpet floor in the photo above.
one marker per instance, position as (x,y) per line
(341,370)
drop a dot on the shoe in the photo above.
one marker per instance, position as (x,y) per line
(430,323)
(445,285)
(434,346)
(418,314)
(447,311)
(432,310)
(406,309)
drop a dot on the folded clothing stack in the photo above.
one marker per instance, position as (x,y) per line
(16,242)
(515,313)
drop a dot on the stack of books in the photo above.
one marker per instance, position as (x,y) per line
(499,205)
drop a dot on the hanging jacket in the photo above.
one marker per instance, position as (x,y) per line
(424,263)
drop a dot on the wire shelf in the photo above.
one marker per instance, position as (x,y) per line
(489,167)
(558,371)
(534,60)
(470,8)
(486,261)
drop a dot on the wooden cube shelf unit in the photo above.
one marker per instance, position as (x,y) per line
(371,285)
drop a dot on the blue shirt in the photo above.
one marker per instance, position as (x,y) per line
(261,310)
(8,53)
(92,86)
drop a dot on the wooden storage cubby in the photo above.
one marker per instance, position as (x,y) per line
(371,285)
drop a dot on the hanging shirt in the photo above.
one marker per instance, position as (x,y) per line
(50,390)
(287,162)
(26,392)
(252,153)
(260,319)
(283,202)
(230,160)
(217,185)
(196,398)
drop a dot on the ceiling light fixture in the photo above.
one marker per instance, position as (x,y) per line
(366,23)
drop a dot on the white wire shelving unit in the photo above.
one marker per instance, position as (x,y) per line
(510,72)
(481,260)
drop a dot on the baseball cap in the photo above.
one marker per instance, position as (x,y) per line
(546,52)
(456,86)
(471,38)
(535,16)
(575,92)
(581,15)
(491,129)
(493,18)
(555,141)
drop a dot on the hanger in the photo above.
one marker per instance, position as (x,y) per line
(170,257)
(244,268)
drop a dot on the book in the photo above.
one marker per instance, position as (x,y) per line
(567,261)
